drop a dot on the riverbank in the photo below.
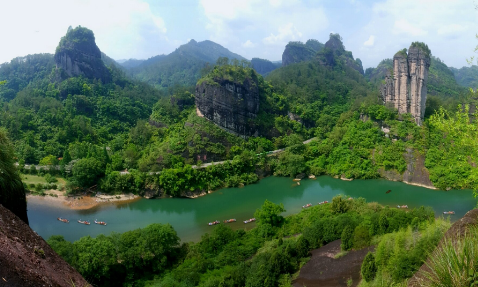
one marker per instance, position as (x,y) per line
(79,202)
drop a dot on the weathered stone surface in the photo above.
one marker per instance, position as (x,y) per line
(230,105)
(406,89)
(78,55)
(27,260)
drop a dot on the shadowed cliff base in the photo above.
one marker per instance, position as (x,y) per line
(27,260)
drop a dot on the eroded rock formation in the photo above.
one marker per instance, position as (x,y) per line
(296,52)
(406,88)
(27,260)
(78,55)
(230,105)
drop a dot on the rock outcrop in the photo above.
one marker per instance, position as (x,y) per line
(230,104)
(78,55)
(406,88)
(296,52)
(334,54)
(27,260)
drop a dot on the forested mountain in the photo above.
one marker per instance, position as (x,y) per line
(263,66)
(466,76)
(181,67)
(296,52)
(130,63)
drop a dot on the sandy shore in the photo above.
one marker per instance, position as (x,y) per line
(80,202)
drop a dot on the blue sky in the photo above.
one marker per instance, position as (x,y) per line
(372,30)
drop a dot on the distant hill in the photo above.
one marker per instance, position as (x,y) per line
(466,76)
(263,66)
(131,63)
(181,67)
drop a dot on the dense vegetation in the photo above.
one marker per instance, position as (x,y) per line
(180,68)
(267,255)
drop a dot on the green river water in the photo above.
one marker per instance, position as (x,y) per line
(190,217)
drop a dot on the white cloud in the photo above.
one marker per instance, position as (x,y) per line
(121,28)
(402,26)
(271,24)
(446,26)
(285,33)
(370,42)
(451,29)
(248,44)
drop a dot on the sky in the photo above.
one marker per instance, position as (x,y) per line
(372,30)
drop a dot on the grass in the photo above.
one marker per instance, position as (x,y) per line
(454,263)
(34,179)
(341,254)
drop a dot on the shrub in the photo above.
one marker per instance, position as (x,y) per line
(361,237)
(50,179)
(347,238)
(339,205)
(454,263)
(369,269)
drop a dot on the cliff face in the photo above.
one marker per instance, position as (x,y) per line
(78,55)
(406,89)
(229,104)
(27,260)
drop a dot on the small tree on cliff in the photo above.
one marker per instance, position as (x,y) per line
(347,238)
(369,269)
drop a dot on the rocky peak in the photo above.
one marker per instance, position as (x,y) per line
(229,96)
(334,54)
(335,43)
(296,52)
(406,88)
(78,55)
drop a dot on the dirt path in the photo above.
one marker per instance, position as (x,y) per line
(325,271)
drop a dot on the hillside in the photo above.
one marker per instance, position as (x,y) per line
(466,76)
(183,66)
(263,67)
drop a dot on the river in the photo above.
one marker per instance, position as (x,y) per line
(190,217)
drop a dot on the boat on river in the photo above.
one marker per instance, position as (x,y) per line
(297,179)
(63,220)
(448,212)
(214,223)
(402,206)
(249,220)
(388,191)
(100,222)
(230,220)
(323,202)
(84,222)
(307,205)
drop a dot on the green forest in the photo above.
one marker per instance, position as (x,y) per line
(141,133)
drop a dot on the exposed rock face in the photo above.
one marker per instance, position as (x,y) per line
(78,55)
(230,105)
(406,89)
(27,260)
